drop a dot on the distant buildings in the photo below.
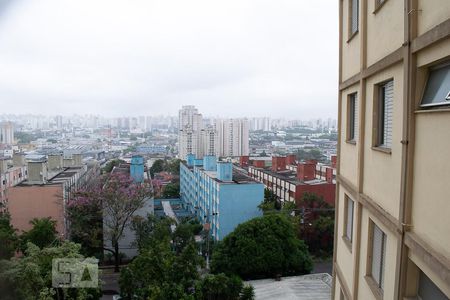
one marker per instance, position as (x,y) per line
(7,133)
(392,238)
(219,194)
(224,137)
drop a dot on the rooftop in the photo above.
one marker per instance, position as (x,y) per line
(307,287)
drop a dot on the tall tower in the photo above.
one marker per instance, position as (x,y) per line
(7,133)
(190,132)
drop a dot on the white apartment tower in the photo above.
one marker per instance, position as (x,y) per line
(226,138)
(233,137)
(7,133)
(190,132)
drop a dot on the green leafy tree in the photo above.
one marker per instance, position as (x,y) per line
(262,247)
(219,287)
(30,277)
(111,164)
(42,234)
(248,293)
(8,237)
(158,166)
(313,154)
(172,190)
(317,225)
(271,203)
(173,166)
(161,270)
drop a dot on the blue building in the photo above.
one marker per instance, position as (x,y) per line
(219,194)
(137,168)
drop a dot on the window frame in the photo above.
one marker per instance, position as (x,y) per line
(377,286)
(378,129)
(437,105)
(352,33)
(348,240)
(378,4)
(352,115)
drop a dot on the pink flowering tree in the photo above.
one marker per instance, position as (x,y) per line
(121,197)
(116,197)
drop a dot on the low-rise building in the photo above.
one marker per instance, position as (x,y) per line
(45,194)
(219,194)
(289,180)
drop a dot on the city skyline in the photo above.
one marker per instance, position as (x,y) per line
(154,57)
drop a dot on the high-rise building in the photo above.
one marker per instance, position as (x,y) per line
(392,236)
(233,137)
(224,137)
(7,133)
(190,132)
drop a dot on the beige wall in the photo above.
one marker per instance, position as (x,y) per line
(382,171)
(431,196)
(350,49)
(364,292)
(344,256)
(28,202)
(384,33)
(431,13)
(349,152)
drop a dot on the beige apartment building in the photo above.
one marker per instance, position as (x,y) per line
(392,236)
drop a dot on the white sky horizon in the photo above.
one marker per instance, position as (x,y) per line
(128,58)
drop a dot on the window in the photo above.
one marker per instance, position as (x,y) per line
(378,256)
(353,17)
(384,114)
(352,120)
(437,90)
(349,209)
(428,290)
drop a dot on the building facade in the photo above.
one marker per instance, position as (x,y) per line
(289,180)
(46,193)
(233,137)
(7,133)
(219,195)
(391,234)
(223,138)
(191,132)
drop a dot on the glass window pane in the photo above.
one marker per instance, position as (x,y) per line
(438,87)
(376,253)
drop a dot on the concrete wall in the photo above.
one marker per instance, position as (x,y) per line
(238,203)
(29,202)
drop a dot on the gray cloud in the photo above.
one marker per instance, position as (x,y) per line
(231,58)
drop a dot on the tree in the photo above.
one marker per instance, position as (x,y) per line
(173,166)
(313,154)
(111,164)
(8,237)
(42,234)
(219,287)
(317,225)
(117,197)
(30,277)
(262,247)
(270,203)
(161,271)
(158,166)
(120,197)
(85,216)
(150,230)
(172,190)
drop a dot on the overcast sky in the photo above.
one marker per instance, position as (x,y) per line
(250,58)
